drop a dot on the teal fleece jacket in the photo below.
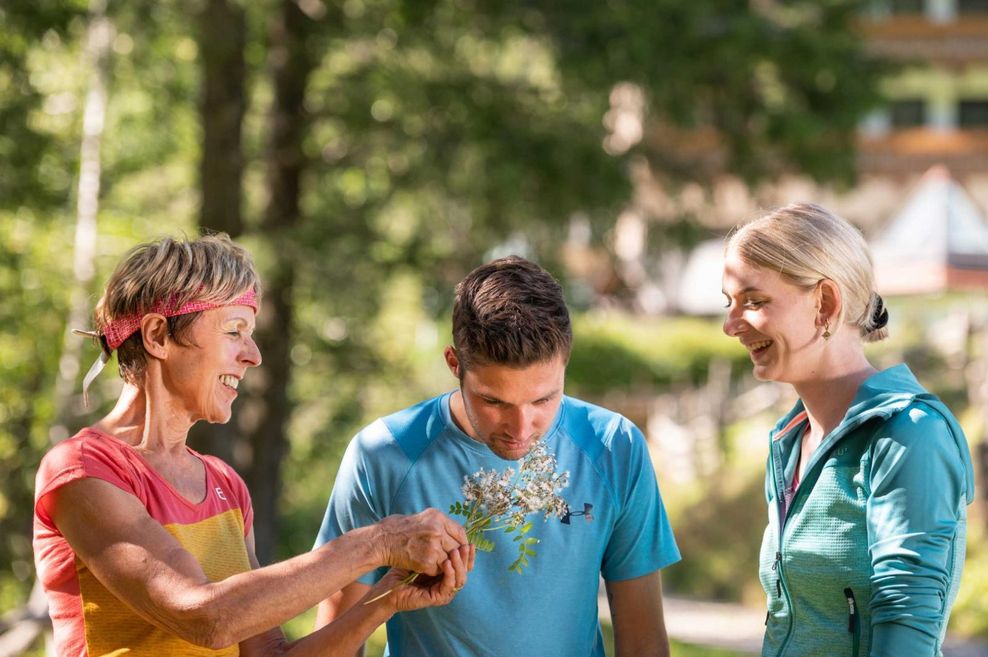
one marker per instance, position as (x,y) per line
(867,558)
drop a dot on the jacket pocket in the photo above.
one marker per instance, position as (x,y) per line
(853,621)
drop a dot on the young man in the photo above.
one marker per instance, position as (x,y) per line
(511,343)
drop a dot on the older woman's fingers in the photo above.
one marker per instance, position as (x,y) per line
(459,568)
(472,558)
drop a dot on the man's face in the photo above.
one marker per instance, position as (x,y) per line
(506,408)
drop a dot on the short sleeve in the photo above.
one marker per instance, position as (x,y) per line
(360,493)
(642,540)
(79,458)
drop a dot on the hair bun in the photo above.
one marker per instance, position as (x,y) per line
(880,315)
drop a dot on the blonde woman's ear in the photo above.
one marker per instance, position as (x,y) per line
(829,302)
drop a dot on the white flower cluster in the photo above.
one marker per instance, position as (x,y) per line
(535,487)
(500,501)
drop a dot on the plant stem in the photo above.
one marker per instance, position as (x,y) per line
(408,579)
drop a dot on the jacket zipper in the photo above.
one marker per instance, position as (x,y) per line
(853,621)
(780,587)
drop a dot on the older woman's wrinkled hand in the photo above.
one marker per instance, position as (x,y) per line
(428,591)
(419,543)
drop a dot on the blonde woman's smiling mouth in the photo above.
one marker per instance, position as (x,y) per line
(758,347)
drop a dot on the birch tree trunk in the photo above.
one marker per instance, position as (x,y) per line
(23,626)
(98,38)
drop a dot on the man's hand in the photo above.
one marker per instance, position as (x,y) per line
(425,590)
(419,543)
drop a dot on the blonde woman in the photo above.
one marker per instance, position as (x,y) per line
(146,547)
(868,476)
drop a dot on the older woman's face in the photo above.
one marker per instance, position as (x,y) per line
(203,376)
(775,321)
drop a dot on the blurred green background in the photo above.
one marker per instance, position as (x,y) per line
(370,153)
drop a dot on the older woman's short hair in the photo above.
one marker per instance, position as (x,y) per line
(211,269)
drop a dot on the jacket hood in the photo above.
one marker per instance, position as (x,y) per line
(884,394)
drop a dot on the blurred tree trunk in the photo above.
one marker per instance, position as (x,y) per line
(21,627)
(270,407)
(222,104)
(99,35)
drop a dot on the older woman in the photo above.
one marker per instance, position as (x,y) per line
(869,474)
(146,547)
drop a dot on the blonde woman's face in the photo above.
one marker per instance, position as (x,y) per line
(774,320)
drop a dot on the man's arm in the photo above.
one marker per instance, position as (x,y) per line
(346,635)
(336,605)
(636,611)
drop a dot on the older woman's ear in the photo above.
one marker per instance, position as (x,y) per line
(154,335)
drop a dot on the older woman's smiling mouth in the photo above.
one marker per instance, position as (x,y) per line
(229,381)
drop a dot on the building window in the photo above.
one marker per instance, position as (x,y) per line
(907,113)
(973,114)
(972,7)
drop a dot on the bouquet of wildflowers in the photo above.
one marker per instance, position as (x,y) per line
(503,501)
(494,501)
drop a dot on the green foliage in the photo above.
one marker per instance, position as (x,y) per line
(436,132)
(623,353)
(719,526)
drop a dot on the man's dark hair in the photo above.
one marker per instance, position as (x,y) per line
(510,312)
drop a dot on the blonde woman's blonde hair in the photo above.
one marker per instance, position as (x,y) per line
(211,268)
(807,243)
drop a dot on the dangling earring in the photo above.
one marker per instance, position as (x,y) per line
(826,331)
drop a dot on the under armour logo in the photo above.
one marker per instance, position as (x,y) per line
(219,493)
(587,508)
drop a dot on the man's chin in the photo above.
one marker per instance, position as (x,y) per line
(512,451)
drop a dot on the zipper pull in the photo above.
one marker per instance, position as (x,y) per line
(775,568)
(852,611)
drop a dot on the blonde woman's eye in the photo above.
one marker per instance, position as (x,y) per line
(753,304)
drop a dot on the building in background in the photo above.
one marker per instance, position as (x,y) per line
(936,116)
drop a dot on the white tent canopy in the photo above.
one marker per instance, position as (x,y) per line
(938,241)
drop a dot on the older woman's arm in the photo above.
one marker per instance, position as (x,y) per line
(915,514)
(344,636)
(144,566)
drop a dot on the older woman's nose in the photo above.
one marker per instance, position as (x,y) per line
(251,353)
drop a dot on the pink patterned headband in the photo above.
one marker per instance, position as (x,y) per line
(123,327)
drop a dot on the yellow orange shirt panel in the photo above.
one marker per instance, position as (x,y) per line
(87,619)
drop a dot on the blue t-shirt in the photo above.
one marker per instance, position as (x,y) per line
(418,458)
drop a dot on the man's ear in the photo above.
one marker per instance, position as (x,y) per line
(154,334)
(452,361)
(829,303)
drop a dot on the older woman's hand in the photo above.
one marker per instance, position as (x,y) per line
(428,591)
(420,543)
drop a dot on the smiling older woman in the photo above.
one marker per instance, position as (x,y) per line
(869,475)
(146,547)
